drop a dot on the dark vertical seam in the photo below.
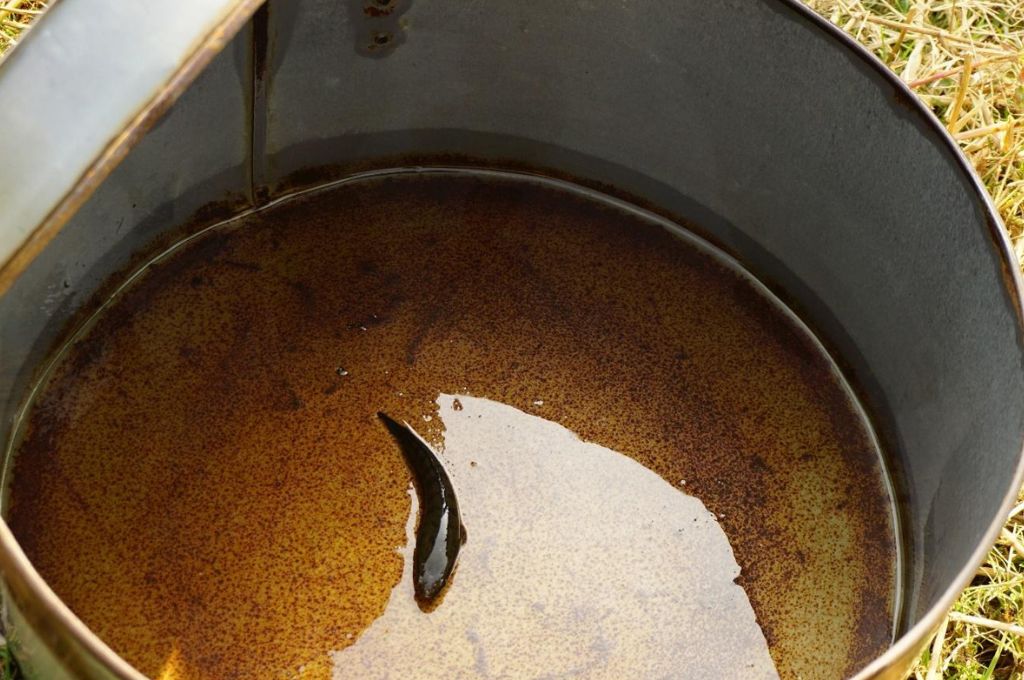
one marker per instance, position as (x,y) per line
(258,106)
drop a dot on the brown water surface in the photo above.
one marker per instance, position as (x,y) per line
(205,482)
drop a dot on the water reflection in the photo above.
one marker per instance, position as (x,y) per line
(579,561)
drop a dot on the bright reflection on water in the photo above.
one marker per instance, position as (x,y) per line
(579,562)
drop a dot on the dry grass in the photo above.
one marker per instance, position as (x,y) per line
(965,59)
(15,16)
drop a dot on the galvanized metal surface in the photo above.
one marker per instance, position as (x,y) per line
(787,143)
(91,79)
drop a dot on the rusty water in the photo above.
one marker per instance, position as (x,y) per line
(203,479)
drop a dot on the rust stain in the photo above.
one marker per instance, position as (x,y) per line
(377,25)
(380,8)
(237,504)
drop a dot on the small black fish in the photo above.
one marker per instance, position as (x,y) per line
(439,534)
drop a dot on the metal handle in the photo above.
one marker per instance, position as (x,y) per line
(121,66)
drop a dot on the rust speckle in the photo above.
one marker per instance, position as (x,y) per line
(378,26)
(198,484)
(380,8)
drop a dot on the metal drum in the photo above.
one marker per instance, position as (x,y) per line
(776,139)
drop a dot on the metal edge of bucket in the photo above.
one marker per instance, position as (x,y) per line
(52,621)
